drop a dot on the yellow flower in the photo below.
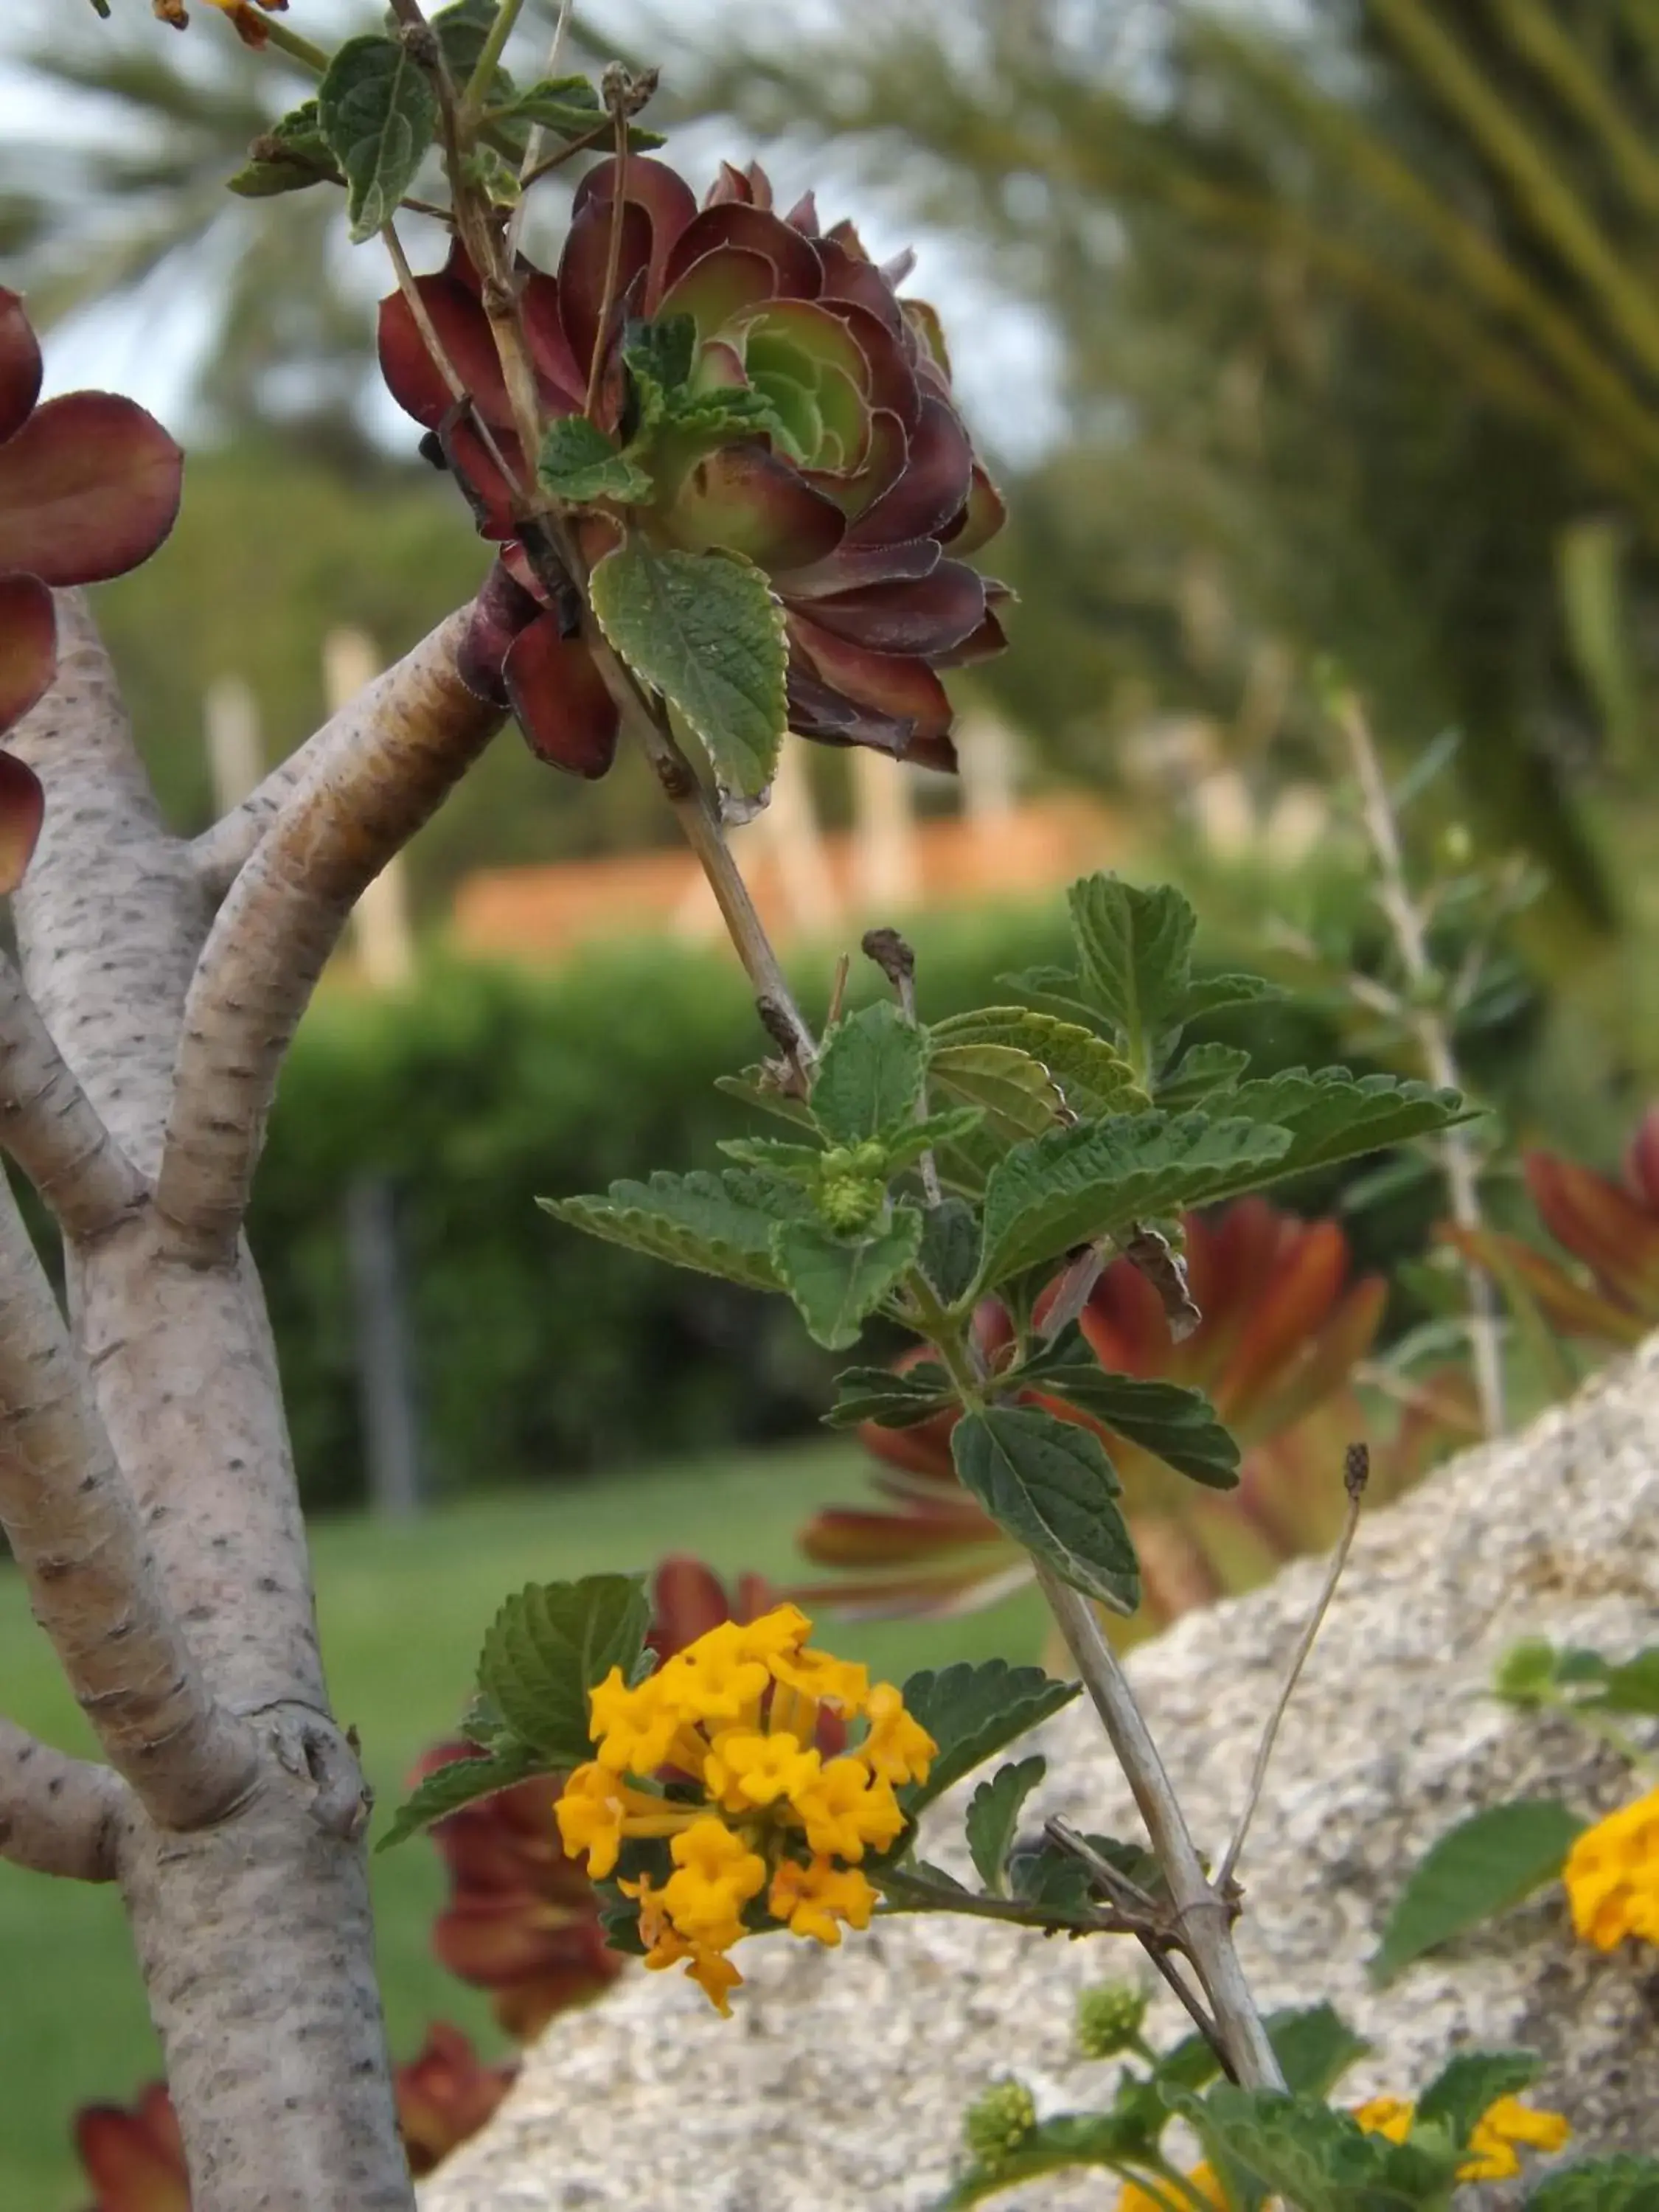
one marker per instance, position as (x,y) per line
(1491,2147)
(1612,1876)
(745,1768)
(1131,2197)
(812,1899)
(897,1748)
(633,1727)
(814,1675)
(715,1875)
(714,1972)
(847,1807)
(1387,2116)
(590,1817)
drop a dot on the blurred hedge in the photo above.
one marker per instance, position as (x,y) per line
(539,1354)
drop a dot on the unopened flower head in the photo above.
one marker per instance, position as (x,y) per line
(1109,2018)
(998,2124)
(717,1753)
(1612,1876)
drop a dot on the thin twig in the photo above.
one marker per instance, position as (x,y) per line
(896,960)
(1458,1162)
(535,145)
(1356,1472)
(613,250)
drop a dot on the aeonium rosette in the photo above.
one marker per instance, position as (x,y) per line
(740,382)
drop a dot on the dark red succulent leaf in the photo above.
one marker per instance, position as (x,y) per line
(20,365)
(556,691)
(445,2094)
(89,489)
(847,515)
(28,645)
(134,2159)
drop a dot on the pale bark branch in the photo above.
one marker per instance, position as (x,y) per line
(388,759)
(75,1532)
(50,1126)
(221,852)
(58,1814)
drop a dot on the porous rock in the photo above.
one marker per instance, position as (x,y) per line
(840,2081)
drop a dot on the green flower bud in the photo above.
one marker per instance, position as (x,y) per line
(1109,2018)
(849,1203)
(837,1161)
(871,1158)
(998,2122)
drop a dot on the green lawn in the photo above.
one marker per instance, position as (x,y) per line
(403,1610)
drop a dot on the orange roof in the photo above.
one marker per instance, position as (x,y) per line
(534,913)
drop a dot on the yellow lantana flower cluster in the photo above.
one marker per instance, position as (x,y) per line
(1491,2155)
(736,1713)
(1612,1876)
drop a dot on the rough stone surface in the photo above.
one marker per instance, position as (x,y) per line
(839,2082)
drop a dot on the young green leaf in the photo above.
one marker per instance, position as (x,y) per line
(1315,2047)
(1621,2183)
(1176,1424)
(662,351)
(1057,988)
(891,1401)
(1199,1074)
(1210,993)
(1332,1116)
(579,464)
(837,1282)
(755,1090)
(1074,1185)
(719,1224)
(776,1156)
(1468,2085)
(1046,1873)
(378,112)
(462,30)
(290,156)
(1477,1869)
(549,1645)
(704,630)
(1051,1486)
(1632,1687)
(953,1126)
(1136,948)
(462,1782)
(949,1248)
(993,1812)
(869,1075)
(1091,1077)
(1317,2159)
(1017,1091)
(972,1712)
(566,107)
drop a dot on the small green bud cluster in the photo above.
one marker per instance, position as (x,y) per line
(1108,2019)
(852,1186)
(998,2122)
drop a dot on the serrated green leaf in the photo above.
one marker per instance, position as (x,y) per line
(1048,1874)
(722,414)
(1481,1867)
(891,1401)
(462,1782)
(1059,989)
(764,1096)
(292,155)
(1315,2047)
(949,1248)
(704,630)
(870,1074)
(1092,1077)
(1621,2183)
(1050,1485)
(1017,1092)
(1190,2064)
(1072,1186)
(1068,2139)
(1467,2085)
(549,1645)
(1198,1074)
(993,1812)
(1136,950)
(1210,993)
(566,107)
(837,1282)
(663,350)
(1318,2160)
(379,113)
(953,1126)
(971,1712)
(1332,1116)
(579,464)
(801,1163)
(1178,1424)
(719,1224)
(462,30)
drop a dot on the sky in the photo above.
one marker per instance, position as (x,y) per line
(148,347)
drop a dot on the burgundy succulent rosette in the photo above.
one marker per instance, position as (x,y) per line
(859,500)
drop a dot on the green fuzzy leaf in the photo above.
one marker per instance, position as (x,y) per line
(939,1131)
(993,1812)
(1091,1077)
(1467,2085)
(579,464)
(292,155)
(549,1645)
(738,412)
(949,1248)
(801,1163)
(1176,1424)
(1527,1672)
(1198,1074)
(1136,948)
(379,112)
(1047,1874)
(972,1712)
(1050,1485)
(891,1401)
(1210,993)
(1074,1185)
(1015,1091)
(1481,1867)
(1632,1687)
(1621,2183)
(462,30)
(1315,2047)
(1318,2160)
(1060,988)
(1333,1116)
(462,1782)
(1189,2064)
(704,630)
(719,1224)
(838,1282)
(754,1089)
(869,1075)
(566,107)
(1068,2140)
(662,351)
